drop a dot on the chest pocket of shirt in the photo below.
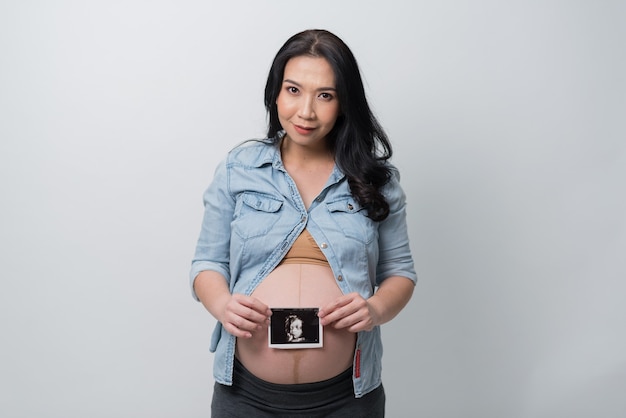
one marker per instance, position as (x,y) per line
(255,214)
(352,219)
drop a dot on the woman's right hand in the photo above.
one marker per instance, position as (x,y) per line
(243,315)
(240,315)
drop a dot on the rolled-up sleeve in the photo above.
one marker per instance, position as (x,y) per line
(213,248)
(395,257)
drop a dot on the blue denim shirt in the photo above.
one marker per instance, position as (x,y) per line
(254,213)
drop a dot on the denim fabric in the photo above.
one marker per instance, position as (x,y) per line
(254,213)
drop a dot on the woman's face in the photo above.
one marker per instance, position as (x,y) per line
(295,328)
(307,103)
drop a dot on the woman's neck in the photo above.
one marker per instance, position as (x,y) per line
(299,156)
(309,169)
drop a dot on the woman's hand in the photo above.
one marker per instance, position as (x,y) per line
(354,313)
(240,315)
(351,312)
(243,315)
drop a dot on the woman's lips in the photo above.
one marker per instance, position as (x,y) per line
(303,130)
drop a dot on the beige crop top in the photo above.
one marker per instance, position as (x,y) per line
(305,251)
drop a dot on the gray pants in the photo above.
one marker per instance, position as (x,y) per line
(251,397)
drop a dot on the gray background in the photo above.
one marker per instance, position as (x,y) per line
(508,124)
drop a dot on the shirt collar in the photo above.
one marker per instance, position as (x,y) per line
(271,155)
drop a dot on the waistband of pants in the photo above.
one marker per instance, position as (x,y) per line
(250,396)
(323,388)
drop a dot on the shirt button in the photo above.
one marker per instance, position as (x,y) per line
(303,219)
(350,207)
(323,245)
(340,278)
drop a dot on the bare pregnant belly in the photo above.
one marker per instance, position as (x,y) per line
(298,286)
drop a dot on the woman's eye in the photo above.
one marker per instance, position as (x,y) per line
(292,89)
(326,96)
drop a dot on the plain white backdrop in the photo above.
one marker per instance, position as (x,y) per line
(507,119)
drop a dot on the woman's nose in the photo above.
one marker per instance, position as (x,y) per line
(306,109)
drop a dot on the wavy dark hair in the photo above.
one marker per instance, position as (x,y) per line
(357,140)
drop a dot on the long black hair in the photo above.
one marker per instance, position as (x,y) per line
(359,143)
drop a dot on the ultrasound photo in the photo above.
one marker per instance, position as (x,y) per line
(295,328)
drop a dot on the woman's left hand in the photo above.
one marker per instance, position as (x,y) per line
(355,313)
(351,312)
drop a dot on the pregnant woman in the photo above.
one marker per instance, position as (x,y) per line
(311,217)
